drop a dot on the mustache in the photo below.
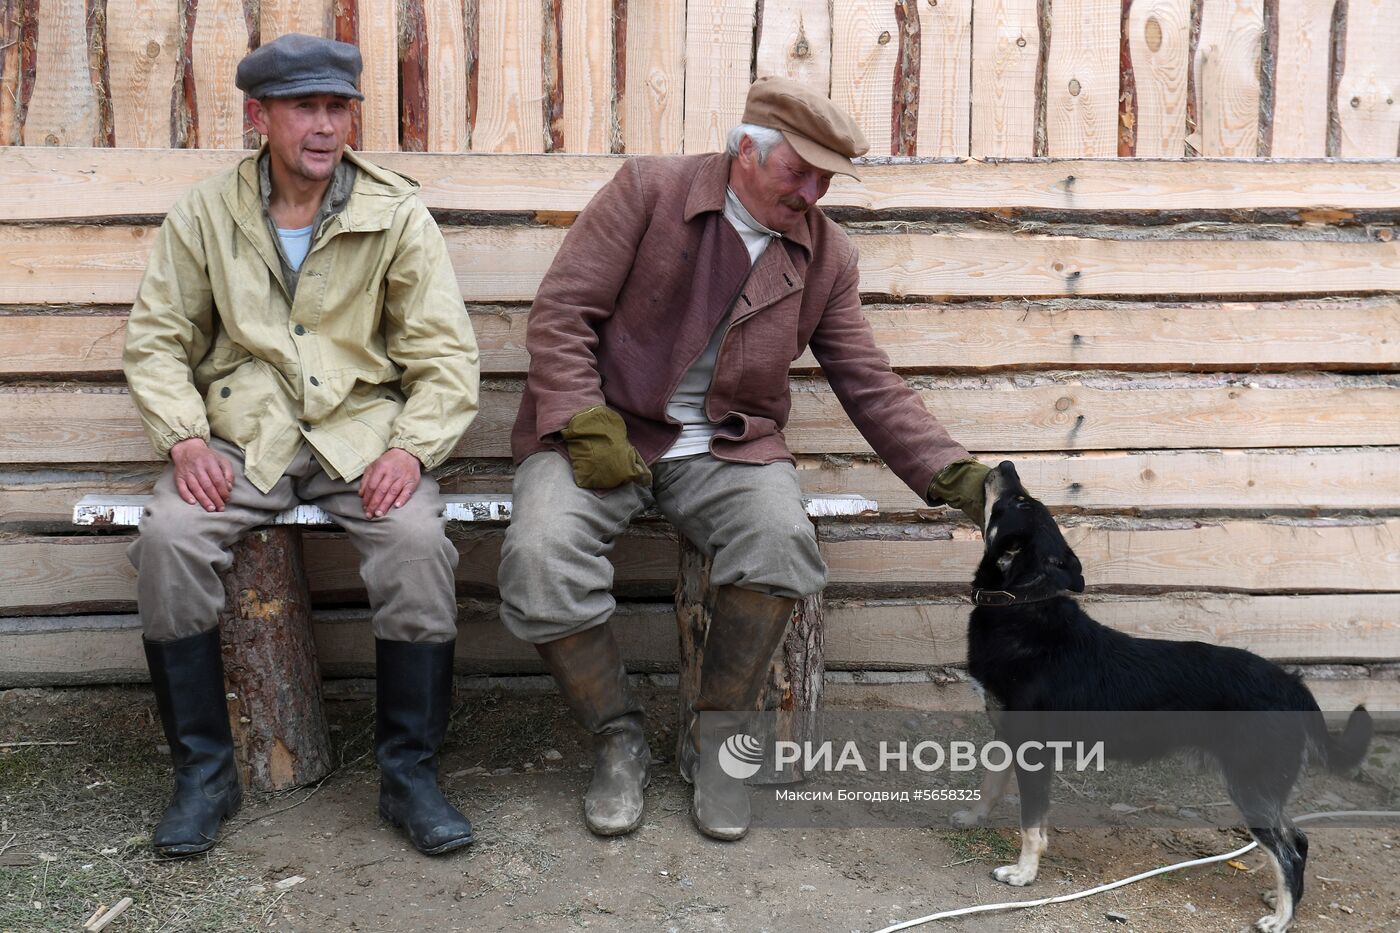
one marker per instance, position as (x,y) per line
(796,204)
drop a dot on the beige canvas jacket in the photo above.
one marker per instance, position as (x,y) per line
(375,351)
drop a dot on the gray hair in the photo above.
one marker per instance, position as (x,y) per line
(765,140)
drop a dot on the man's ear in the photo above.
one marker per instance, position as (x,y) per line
(256,114)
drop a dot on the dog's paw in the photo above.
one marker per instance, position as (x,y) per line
(1272,924)
(1270,898)
(1014,875)
(965,819)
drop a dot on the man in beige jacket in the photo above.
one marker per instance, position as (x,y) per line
(299,336)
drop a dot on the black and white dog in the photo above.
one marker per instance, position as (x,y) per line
(1034,652)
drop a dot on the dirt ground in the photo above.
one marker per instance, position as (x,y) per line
(75,822)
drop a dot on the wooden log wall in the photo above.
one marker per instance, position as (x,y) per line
(980,78)
(1192,355)
(1195,363)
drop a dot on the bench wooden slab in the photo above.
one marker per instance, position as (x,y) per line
(273,680)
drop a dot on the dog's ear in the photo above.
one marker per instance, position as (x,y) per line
(1066,572)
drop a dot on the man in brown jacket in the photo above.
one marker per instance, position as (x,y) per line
(660,342)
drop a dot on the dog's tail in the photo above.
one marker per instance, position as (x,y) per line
(1342,753)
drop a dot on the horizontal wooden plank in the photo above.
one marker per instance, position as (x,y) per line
(99,423)
(47,264)
(48,184)
(1379,694)
(1191,481)
(860,635)
(39,574)
(1343,333)
(128,511)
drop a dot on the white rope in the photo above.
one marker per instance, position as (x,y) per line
(1063,898)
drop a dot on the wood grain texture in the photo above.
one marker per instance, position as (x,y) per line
(890,634)
(63,110)
(93,426)
(945,78)
(279,17)
(1284,480)
(1378,693)
(860,635)
(864,50)
(1328,334)
(11,45)
(719,36)
(379,47)
(143,55)
(1159,45)
(510,78)
(1368,97)
(445,35)
(795,42)
(271,677)
(588,76)
(1005,49)
(1082,78)
(1240,556)
(1227,77)
(1300,93)
(69,184)
(653,104)
(221,39)
(85,265)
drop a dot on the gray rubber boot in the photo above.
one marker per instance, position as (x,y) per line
(588,668)
(745,629)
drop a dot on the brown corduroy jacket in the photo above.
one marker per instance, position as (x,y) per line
(648,271)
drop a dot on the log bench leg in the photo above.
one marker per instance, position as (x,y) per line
(794,680)
(271,675)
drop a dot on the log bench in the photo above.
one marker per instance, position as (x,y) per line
(273,681)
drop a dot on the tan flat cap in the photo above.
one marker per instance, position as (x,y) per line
(821,132)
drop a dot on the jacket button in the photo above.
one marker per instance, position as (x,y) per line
(315,381)
(300,330)
(225,392)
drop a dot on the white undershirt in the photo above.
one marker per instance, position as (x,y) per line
(295,244)
(687,405)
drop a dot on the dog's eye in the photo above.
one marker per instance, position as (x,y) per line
(1023,503)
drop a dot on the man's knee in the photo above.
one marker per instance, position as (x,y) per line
(779,557)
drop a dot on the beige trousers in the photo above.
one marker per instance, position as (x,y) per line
(406,560)
(556,578)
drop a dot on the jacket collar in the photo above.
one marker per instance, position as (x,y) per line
(374,198)
(707,194)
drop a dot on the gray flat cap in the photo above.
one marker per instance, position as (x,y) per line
(297,65)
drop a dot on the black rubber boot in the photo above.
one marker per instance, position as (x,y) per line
(187,676)
(588,668)
(413,699)
(745,629)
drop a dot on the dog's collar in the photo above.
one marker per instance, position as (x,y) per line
(1034,594)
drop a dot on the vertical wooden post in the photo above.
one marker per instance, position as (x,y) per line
(794,680)
(271,674)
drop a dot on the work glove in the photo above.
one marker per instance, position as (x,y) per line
(601,455)
(961,485)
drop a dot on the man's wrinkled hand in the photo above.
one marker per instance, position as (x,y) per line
(202,476)
(389,481)
(599,451)
(963,486)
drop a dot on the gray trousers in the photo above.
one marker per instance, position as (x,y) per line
(555,577)
(406,560)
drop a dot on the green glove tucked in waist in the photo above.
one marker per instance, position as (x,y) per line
(961,485)
(601,455)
